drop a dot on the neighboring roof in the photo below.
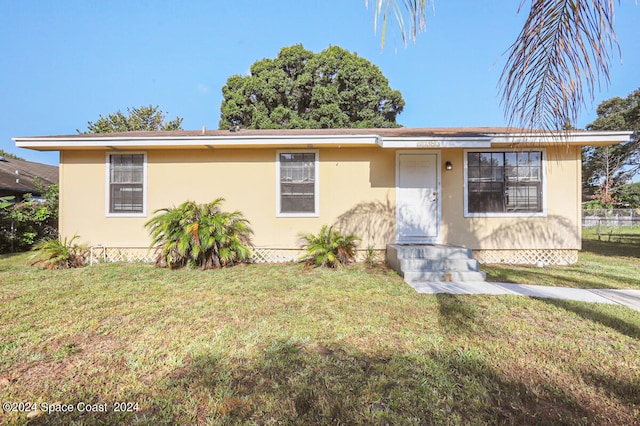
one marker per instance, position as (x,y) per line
(19,175)
(400,137)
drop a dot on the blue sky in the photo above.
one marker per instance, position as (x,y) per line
(64,63)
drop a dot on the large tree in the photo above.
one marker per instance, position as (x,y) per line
(606,168)
(563,51)
(142,118)
(302,89)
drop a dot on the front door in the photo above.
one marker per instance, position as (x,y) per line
(417,198)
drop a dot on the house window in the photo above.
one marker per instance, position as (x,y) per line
(297,174)
(126,183)
(504,182)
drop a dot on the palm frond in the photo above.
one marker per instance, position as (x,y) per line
(562,54)
(200,235)
(328,248)
(60,254)
(416,10)
(564,48)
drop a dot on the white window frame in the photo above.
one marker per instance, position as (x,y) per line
(107,195)
(543,166)
(316,188)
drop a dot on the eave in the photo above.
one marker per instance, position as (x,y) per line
(384,138)
(194,142)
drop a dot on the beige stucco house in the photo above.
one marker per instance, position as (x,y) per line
(509,196)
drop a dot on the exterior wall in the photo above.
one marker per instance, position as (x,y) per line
(560,229)
(357,195)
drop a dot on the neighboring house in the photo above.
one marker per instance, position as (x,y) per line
(18,177)
(510,196)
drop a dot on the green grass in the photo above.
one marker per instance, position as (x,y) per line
(613,261)
(284,344)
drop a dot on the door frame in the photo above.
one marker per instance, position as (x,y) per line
(421,240)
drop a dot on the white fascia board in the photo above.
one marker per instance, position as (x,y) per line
(572,138)
(409,142)
(191,141)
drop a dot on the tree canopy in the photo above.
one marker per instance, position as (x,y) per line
(301,89)
(609,167)
(563,50)
(149,118)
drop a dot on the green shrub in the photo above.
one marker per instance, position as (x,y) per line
(30,220)
(329,248)
(6,201)
(371,256)
(56,254)
(200,235)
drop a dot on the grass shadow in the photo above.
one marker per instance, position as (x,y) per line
(557,276)
(293,382)
(592,313)
(458,314)
(627,391)
(629,248)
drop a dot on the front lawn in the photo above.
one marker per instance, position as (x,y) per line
(609,262)
(284,344)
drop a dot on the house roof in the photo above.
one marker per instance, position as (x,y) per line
(401,137)
(19,175)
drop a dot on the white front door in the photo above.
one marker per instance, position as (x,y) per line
(418,198)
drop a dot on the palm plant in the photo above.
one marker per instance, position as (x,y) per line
(329,248)
(200,235)
(6,201)
(60,254)
(564,46)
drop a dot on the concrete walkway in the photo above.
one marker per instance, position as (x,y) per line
(629,298)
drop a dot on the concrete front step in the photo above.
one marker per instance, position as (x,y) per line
(435,251)
(461,265)
(455,276)
(434,263)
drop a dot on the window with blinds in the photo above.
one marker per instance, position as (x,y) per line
(504,182)
(126,183)
(297,183)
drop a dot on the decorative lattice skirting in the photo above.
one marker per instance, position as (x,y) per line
(121,254)
(527,256)
(144,254)
(272,255)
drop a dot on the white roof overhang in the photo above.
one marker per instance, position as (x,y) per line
(75,142)
(176,142)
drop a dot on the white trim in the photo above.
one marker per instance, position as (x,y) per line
(421,240)
(543,165)
(316,194)
(559,137)
(55,143)
(107,192)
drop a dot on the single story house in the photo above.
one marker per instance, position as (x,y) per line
(508,195)
(19,177)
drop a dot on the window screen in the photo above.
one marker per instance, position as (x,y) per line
(504,182)
(126,183)
(297,182)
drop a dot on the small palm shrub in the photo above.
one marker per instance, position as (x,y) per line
(371,256)
(57,254)
(329,248)
(199,235)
